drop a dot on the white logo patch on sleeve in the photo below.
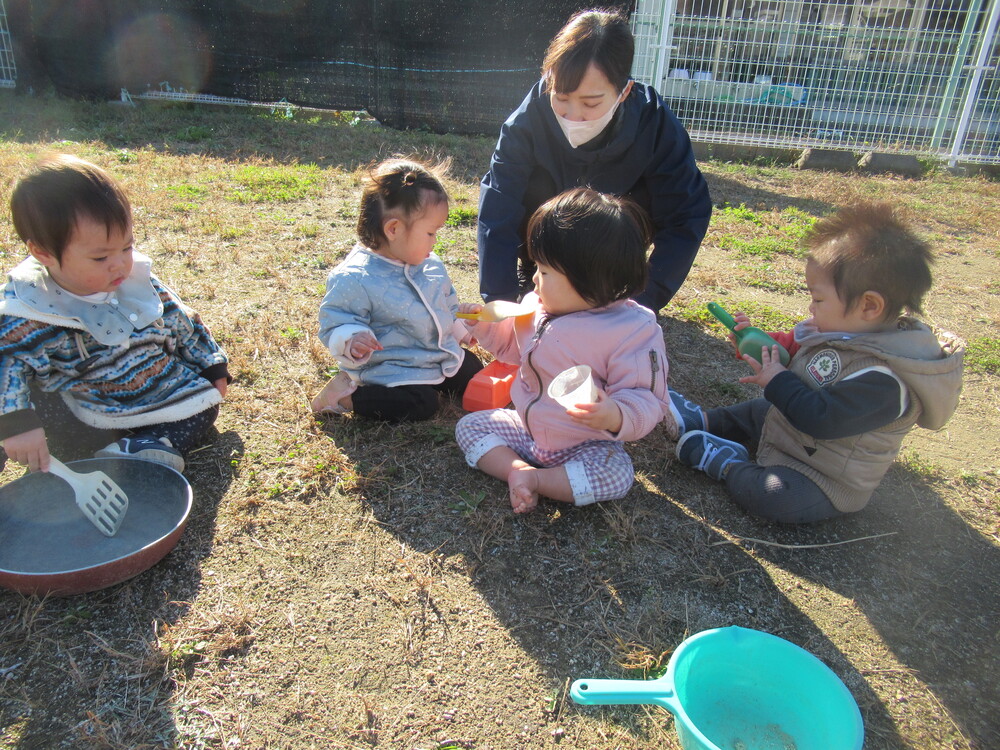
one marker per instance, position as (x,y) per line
(824,367)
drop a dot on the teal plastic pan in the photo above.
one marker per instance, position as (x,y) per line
(739,688)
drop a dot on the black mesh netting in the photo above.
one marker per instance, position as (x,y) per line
(445,65)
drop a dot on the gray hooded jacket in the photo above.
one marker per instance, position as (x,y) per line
(410,309)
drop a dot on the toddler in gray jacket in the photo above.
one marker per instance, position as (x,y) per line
(388,316)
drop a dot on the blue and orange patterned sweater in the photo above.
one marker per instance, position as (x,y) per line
(139,358)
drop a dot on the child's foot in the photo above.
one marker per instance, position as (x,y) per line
(687,414)
(523,484)
(145,448)
(337,389)
(710,453)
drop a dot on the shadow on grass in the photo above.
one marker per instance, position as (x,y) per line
(929,590)
(926,589)
(92,670)
(609,591)
(725,191)
(603,591)
(920,585)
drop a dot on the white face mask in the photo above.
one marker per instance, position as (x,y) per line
(578,133)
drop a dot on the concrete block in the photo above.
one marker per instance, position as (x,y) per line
(834,161)
(905,165)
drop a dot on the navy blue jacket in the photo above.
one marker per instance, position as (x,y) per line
(648,153)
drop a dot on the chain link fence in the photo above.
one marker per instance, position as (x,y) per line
(906,76)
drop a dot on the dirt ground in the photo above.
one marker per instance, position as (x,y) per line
(345,584)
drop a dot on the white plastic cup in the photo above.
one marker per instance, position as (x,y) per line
(574,386)
(682,73)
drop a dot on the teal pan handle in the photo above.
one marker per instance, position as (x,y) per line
(659,692)
(723,317)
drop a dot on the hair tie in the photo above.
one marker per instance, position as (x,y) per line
(410,179)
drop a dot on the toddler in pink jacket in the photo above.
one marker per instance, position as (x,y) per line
(589,249)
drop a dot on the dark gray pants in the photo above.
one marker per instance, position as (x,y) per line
(776,493)
(412,403)
(70,439)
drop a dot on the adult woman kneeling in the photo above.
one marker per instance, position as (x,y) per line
(587,123)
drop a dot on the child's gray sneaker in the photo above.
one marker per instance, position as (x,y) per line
(709,453)
(687,414)
(158,451)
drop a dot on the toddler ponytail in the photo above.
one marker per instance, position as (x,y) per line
(397,187)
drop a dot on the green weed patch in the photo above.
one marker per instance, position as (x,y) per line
(462,216)
(276,184)
(983,355)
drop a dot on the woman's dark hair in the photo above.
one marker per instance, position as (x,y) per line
(48,201)
(601,37)
(402,187)
(598,241)
(869,247)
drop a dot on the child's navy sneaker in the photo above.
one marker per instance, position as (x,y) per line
(687,414)
(158,451)
(709,453)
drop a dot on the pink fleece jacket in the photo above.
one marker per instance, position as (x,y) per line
(622,343)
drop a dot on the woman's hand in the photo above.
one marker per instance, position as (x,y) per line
(604,414)
(765,370)
(363,344)
(29,448)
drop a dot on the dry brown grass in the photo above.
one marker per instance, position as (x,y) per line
(344,584)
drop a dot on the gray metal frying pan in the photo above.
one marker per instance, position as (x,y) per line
(48,547)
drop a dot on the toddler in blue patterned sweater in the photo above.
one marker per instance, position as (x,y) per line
(94,349)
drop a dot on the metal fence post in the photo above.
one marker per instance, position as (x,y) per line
(975,81)
(8,71)
(666,38)
(958,64)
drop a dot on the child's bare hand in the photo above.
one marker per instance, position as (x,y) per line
(470,308)
(221,385)
(604,414)
(29,449)
(765,370)
(363,344)
(742,321)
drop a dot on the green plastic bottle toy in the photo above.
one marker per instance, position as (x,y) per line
(749,340)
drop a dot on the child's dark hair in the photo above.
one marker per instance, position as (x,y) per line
(401,187)
(868,247)
(598,241)
(48,201)
(601,37)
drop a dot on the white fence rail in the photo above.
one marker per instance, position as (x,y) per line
(8,73)
(905,76)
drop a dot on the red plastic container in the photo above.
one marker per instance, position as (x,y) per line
(490,387)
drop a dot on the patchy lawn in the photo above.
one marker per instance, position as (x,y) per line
(344,584)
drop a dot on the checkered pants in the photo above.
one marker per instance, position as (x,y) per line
(597,469)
